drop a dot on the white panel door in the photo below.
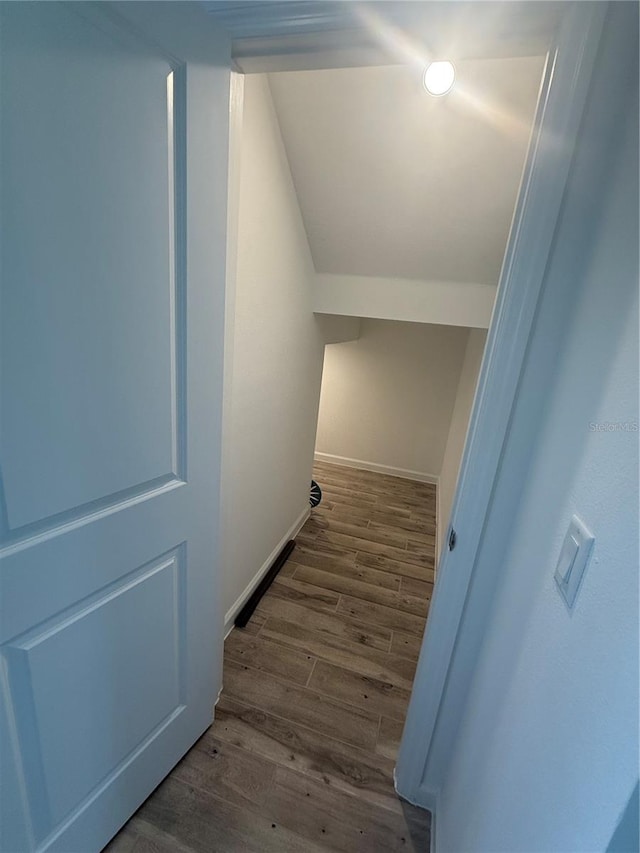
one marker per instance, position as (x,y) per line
(113,153)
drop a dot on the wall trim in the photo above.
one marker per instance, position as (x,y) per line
(240,601)
(563,96)
(363,465)
(236,113)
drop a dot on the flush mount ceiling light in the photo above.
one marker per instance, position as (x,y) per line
(439,77)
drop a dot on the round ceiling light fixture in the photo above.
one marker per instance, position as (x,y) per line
(439,77)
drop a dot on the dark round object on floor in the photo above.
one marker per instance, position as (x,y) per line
(315,494)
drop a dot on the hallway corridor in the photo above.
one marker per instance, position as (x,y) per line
(301,754)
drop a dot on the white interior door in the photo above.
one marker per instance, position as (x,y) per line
(113,212)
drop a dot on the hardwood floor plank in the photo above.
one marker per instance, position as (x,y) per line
(328,479)
(322,515)
(327,505)
(406,644)
(368,612)
(365,591)
(207,823)
(389,737)
(254,624)
(148,845)
(356,487)
(380,697)
(346,823)
(305,708)
(294,800)
(359,544)
(384,564)
(353,496)
(352,491)
(286,570)
(236,775)
(356,657)
(423,549)
(411,586)
(374,636)
(378,506)
(378,486)
(326,550)
(307,537)
(321,465)
(417,486)
(428,515)
(410,525)
(425,511)
(347,511)
(316,598)
(151,839)
(266,656)
(390,493)
(320,559)
(352,473)
(362,773)
(375,533)
(384,580)
(124,841)
(378,532)
(355,503)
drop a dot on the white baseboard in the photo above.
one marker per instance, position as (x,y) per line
(363,465)
(239,603)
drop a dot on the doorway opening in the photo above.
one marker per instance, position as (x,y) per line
(570,44)
(321,301)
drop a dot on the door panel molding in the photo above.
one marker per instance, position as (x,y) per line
(38,666)
(96,235)
(65,522)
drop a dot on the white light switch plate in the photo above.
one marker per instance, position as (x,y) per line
(574,556)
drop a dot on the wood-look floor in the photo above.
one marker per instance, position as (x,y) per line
(301,754)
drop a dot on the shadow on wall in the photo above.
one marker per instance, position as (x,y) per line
(626,838)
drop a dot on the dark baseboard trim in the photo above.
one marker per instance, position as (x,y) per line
(247,611)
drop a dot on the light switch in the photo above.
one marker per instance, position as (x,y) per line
(574,556)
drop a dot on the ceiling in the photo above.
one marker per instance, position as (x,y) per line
(393,182)
(296,34)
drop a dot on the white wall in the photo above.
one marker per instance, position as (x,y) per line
(277,352)
(547,753)
(388,397)
(448,302)
(458,427)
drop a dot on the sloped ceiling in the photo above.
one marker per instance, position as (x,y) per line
(395,183)
(299,34)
